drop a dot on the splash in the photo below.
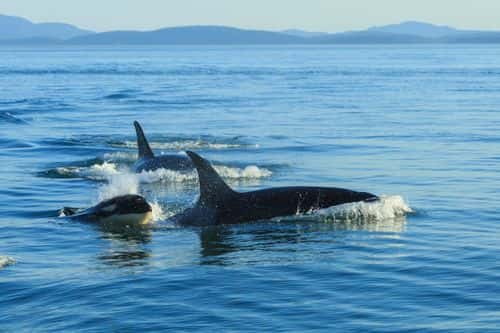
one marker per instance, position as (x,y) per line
(62,213)
(100,171)
(95,172)
(158,213)
(229,173)
(388,207)
(128,183)
(187,144)
(107,170)
(165,175)
(121,156)
(249,172)
(6,261)
(119,184)
(377,213)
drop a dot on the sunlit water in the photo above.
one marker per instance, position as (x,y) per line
(418,124)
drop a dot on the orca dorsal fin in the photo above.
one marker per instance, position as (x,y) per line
(212,188)
(142,144)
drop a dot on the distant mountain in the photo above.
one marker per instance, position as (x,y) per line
(420,29)
(12,27)
(368,37)
(189,35)
(410,32)
(19,31)
(303,33)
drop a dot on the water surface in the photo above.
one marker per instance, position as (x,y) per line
(419,122)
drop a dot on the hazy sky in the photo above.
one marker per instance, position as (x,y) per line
(319,15)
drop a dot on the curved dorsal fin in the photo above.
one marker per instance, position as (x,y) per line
(142,144)
(212,188)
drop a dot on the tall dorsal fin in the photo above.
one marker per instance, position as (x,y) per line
(212,188)
(142,144)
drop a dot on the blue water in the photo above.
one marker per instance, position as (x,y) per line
(416,123)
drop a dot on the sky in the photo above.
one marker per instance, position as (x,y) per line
(312,15)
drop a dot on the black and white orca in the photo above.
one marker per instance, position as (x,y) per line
(127,209)
(218,204)
(147,161)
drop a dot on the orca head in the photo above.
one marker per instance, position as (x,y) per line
(127,209)
(144,150)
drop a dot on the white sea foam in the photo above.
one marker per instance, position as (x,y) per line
(108,170)
(249,172)
(66,171)
(6,261)
(388,207)
(230,173)
(100,171)
(186,144)
(121,156)
(96,171)
(165,175)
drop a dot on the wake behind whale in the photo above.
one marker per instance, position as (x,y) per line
(150,168)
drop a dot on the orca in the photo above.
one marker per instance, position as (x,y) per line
(147,161)
(127,209)
(218,204)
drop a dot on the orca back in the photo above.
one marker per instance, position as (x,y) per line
(219,204)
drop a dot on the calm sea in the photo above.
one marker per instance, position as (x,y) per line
(417,124)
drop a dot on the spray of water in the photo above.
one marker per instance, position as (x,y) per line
(388,207)
(119,184)
(125,182)
(6,261)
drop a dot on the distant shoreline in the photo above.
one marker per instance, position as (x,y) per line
(19,31)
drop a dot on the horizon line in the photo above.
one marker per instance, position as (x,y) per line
(249,28)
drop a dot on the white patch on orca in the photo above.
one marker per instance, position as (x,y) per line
(109,208)
(128,219)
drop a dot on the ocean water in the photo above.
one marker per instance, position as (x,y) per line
(417,124)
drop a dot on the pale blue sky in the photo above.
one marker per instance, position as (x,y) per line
(317,15)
